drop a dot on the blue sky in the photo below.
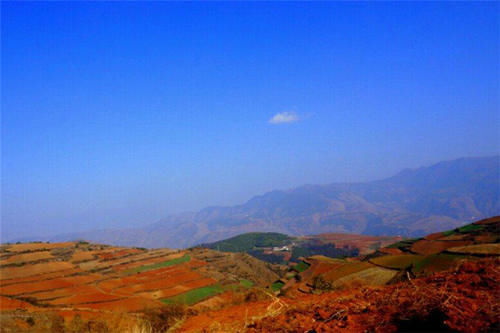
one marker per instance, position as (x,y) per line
(118,114)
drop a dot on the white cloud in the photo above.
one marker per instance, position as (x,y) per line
(284,117)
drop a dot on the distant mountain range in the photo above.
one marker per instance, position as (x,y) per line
(412,203)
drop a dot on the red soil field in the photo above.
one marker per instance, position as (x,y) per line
(138,278)
(390,250)
(176,290)
(28,270)
(434,236)
(38,246)
(488,238)
(132,304)
(467,297)
(126,265)
(363,243)
(41,277)
(23,288)
(319,267)
(199,283)
(64,292)
(166,283)
(233,317)
(13,304)
(82,256)
(118,254)
(491,220)
(26,257)
(426,247)
(135,279)
(80,298)
(46,285)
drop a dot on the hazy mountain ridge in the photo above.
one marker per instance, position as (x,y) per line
(411,203)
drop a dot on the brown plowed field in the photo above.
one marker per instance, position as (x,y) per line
(26,257)
(83,256)
(166,283)
(131,304)
(28,270)
(7,303)
(38,246)
(40,277)
(64,292)
(81,298)
(390,250)
(46,285)
(427,247)
(479,249)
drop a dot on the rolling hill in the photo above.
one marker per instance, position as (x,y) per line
(412,203)
(81,287)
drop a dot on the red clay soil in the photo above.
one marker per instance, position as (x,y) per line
(7,303)
(467,299)
(28,270)
(132,304)
(65,292)
(41,277)
(229,319)
(434,236)
(165,283)
(184,287)
(78,298)
(390,250)
(323,267)
(26,257)
(487,238)
(29,287)
(38,246)
(427,247)
(48,285)
(118,254)
(494,219)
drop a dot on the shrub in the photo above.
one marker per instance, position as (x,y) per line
(161,319)
(320,283)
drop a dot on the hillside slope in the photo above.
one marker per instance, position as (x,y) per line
(446,281)
(50,281)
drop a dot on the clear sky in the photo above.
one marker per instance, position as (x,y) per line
(119,114)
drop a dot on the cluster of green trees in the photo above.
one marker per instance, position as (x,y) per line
(250,241)
(328,250)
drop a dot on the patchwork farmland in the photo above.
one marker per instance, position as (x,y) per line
(81,287)
(396,262)
(89,280)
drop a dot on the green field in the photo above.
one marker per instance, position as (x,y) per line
(470,227)
(277,285)
(407,243)
(246,283)
(301,266)
(437,262)
(194,296)
(163,264)
(397,261)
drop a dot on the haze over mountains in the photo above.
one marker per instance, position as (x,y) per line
(414,202)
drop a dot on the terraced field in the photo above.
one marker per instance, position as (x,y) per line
(399,261)
(78,278)
(80,282)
